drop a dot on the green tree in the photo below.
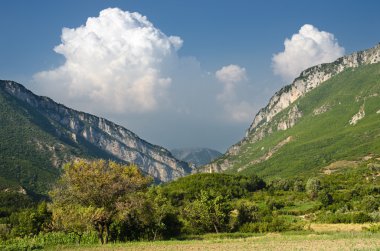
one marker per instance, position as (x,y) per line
(99,185)
(72,218)
(30,221)
(325,198)
(313,185)
(161,211)
(245,211)
(210,211)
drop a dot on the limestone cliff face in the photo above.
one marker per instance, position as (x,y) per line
(112,139)
(265,121)
(310,79)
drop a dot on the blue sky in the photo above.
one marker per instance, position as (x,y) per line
(186,102)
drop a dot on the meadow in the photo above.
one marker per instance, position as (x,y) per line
(271,241)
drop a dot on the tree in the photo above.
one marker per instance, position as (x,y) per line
(72,218)
(30,221)
(98,186)
(162,212)
(209,211)
(245,212)
(325,198)
(313,185)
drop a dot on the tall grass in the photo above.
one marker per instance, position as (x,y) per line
(47,239)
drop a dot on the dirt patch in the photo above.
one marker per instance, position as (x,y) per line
(338,165)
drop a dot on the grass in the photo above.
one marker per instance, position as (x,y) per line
(337,227)
(271,241)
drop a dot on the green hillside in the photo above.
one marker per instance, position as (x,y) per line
(21,161)
(33,148)
(323,135)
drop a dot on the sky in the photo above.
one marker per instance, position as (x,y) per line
(177,73)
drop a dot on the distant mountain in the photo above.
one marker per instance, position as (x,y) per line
(197,156)
(37,136)
(329,115)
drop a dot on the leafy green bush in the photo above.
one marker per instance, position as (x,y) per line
(351,217)
(274,204)
(231,186)
(370,203)
(374,228)
(30,222)
(325,198)
(269,224)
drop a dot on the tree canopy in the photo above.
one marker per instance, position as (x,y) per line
(98,187)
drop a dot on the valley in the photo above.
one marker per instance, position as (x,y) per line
(128,135)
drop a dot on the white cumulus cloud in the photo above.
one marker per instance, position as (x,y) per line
(114,63)
(306,48)
(232,77)
(231,74)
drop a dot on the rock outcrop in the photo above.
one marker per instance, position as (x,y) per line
(310,79)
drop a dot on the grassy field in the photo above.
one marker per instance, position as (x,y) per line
(338,227)
(272,241)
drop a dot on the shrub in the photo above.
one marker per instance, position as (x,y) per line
(274,204)
(269,224)
(370,204)
(325,198)
(333,218)
(374,228)
(313,185)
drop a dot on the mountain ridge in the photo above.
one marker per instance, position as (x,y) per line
(308,80)
(104,137)
(197,156)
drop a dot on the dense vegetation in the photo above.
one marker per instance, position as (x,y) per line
(104,201)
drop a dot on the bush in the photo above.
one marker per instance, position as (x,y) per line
(245,211)
(356,217)
(269,224)
(374,228)
(325,198)
(4,231)
(361,218)
(274,204)
(370,204)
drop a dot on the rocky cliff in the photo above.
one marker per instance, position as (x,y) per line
(112,139)
(266,122)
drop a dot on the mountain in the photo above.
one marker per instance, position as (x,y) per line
(329,115)
(38,135)
(197,156)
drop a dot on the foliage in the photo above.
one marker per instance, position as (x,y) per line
(349,217)
(269,224)
(29,222)
(325,198)
(43,240)
(72,218)
(313,185)
(232,186)
(374,228)
(209,212)
(11,201)
(98,187)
